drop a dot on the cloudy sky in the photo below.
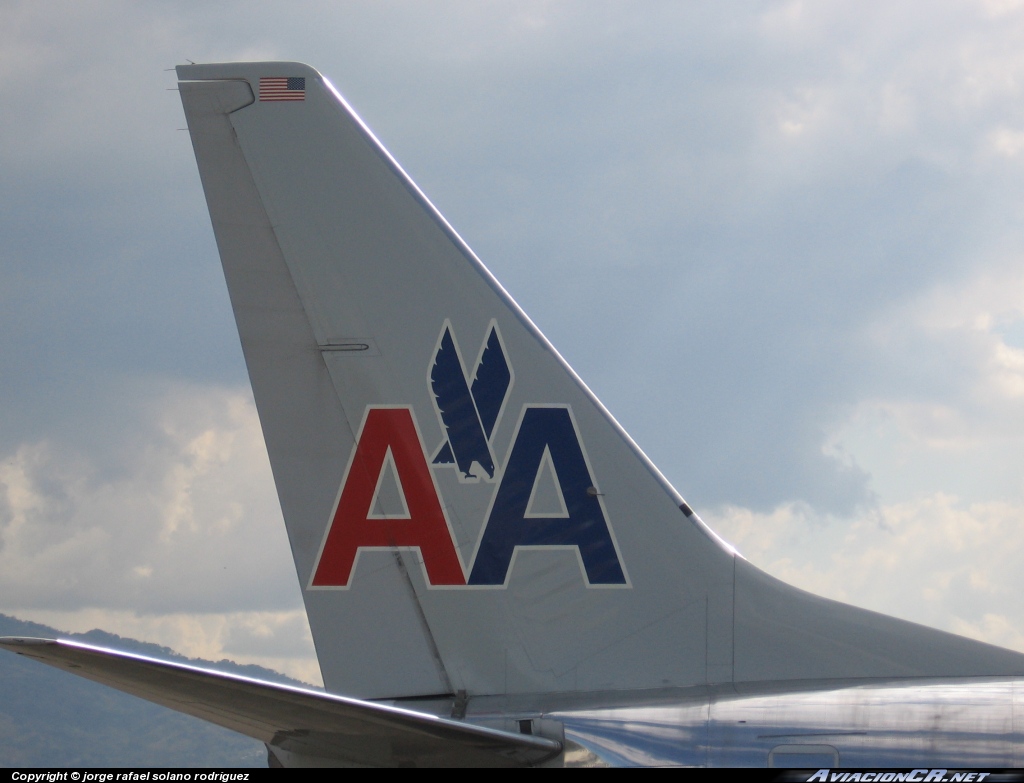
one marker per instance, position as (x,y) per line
(782,241)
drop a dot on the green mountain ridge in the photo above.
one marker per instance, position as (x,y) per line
(50,718)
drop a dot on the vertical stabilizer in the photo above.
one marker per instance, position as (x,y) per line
(463,513)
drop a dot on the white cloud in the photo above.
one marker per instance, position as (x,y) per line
(191,520)
(936,560)
(999,8)
(1007,142)
(947,415)
(191,526)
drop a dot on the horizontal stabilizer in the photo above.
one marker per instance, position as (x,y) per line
(299,721)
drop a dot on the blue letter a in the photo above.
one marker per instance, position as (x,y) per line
(546,431)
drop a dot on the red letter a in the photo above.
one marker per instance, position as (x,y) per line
(352,526)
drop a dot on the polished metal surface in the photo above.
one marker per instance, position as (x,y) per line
(970,723)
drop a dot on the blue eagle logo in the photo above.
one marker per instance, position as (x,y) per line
(469,408)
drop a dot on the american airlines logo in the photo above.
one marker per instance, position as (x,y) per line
(546,451)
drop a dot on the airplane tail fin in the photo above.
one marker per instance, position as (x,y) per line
(463,513)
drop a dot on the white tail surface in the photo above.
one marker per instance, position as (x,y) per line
(463,513)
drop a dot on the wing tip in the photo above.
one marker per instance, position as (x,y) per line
(25,641)
(23,645)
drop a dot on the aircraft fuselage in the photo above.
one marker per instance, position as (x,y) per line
(928,723)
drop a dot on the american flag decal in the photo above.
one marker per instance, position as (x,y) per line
(283,88)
